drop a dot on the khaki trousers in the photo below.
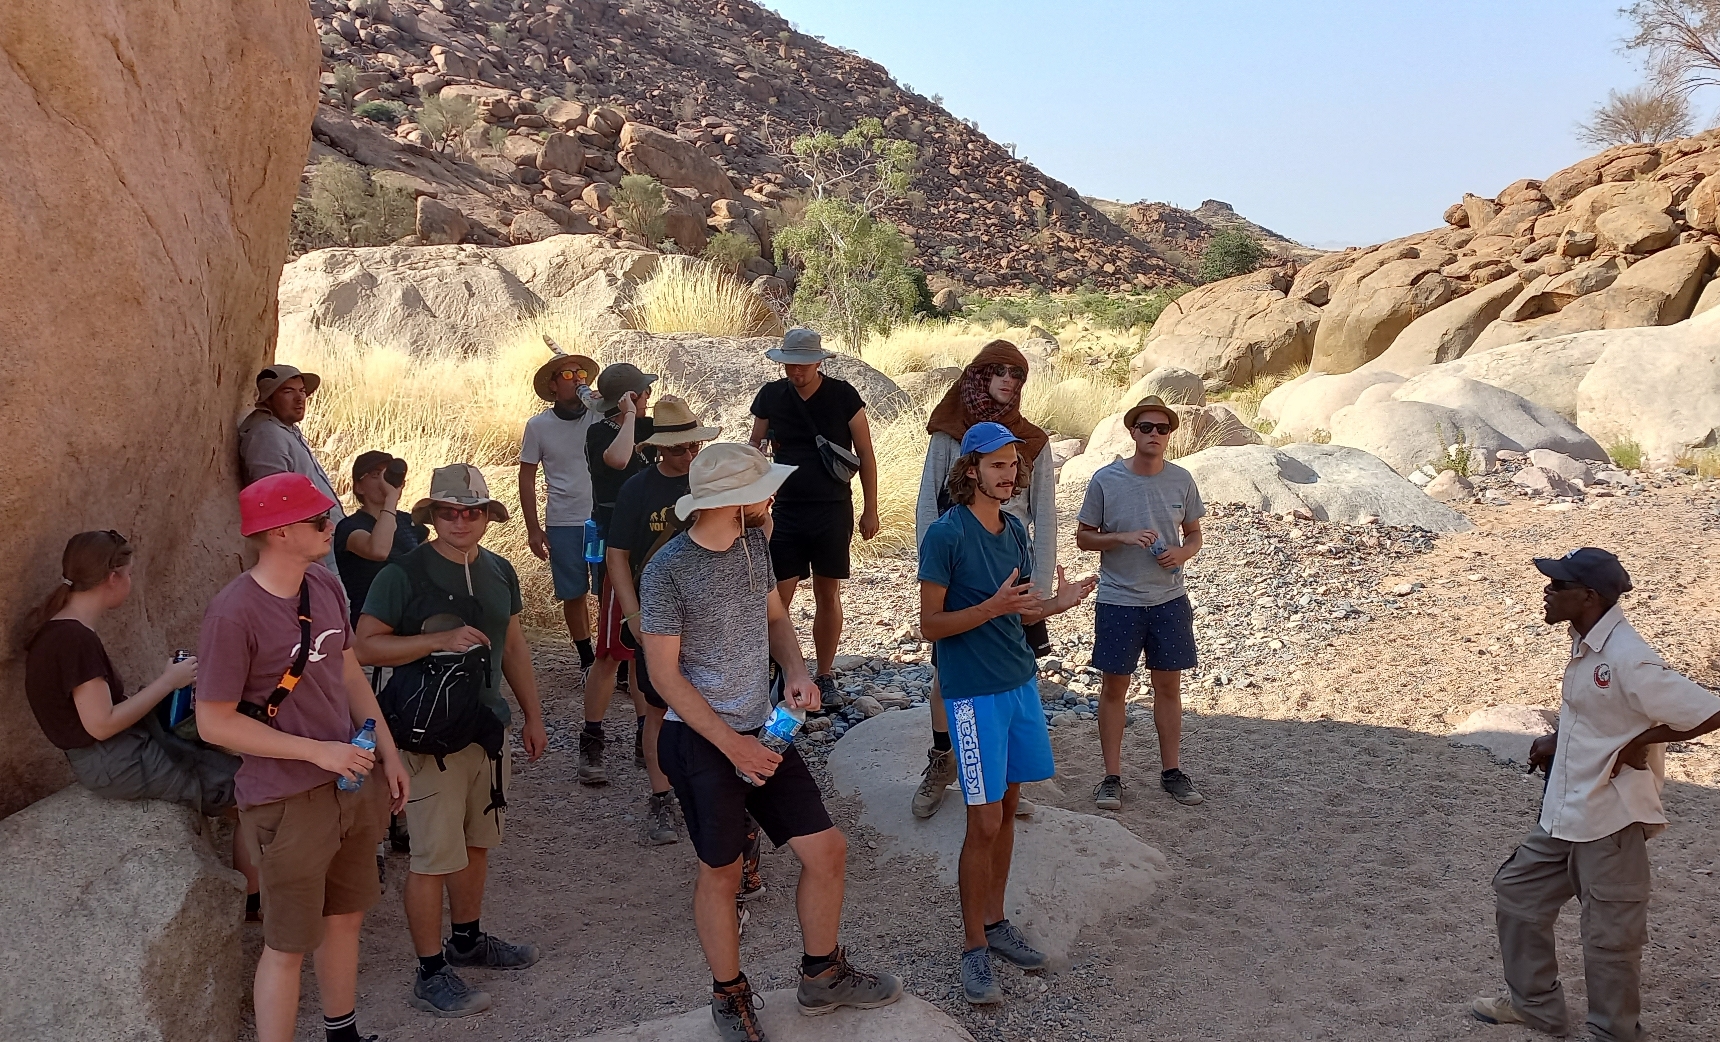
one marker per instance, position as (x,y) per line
(1609,877)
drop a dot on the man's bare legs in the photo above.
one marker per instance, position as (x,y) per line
(276,991)
(984,870)
(465,900)
(1167,715)
(1113,692)
(818,902)
(577,613)
(827,620)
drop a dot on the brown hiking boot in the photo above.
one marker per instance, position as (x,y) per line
(735,1012)
(591,770)
(934,784)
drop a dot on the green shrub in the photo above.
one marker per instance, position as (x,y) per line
(855,280)
(730,250)
(346,207)
(923,306)
(444,119)
(1625,453)
(1231,252)
(345,82)
(1456,452)
(639,205)
(388,113)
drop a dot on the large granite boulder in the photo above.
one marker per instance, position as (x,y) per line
(1656,291)
(1657,387)
(151,160)
(1173,386)
(1369,308)
(1546,372)
(1522,421)
(1448,331)
(1233,331)
(1333,482)
(1410,434)
(122,924)
(676,163)
(1307,409)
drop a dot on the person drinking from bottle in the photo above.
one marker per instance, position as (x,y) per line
(375,534)
(711,622)
(279,683)
(976,593)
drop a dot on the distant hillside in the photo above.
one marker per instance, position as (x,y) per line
(1180,236)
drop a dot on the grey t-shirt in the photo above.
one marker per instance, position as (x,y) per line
(719,605)
(1119,500)
(558,447)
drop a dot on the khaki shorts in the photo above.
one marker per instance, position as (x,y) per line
(446,812)
(316,856)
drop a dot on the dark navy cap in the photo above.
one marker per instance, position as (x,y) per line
(1589,566)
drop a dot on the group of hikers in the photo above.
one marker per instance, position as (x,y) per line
(695,549)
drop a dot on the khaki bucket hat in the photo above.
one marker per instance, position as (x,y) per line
(459,485)
(730,474)
(270,379)
(673,420)
(559,360)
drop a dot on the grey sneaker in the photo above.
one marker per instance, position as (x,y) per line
(830,696)
(978,984)
(843,985)
(735,1011)
(493,952)
(1108,794)
(935,782)
(591,770)
(660,819)
(1179,786)
(444,994)
(1007,941)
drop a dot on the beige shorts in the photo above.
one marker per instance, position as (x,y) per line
(316,856)
(446,812)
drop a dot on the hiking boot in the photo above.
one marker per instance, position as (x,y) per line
(1007,941)
(591,770)
(978,983)
(444,994)
(1179,786)
(830,696)
(1495,1009)
(935,782)
(843,985)
(639,749)
(493,952)
(1108,794)
(660,819)
(735,1011)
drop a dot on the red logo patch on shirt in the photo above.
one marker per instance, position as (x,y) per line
(1603,675)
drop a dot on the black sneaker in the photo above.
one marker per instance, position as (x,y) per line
(491,951)
(735,1012)
(1179,786)
(444,994)
(830,696)
(1108,794)
(591,770)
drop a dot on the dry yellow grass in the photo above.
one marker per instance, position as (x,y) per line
(690,296)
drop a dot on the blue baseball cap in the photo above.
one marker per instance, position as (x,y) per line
(987,437)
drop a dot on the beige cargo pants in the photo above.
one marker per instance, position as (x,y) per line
(1609,877)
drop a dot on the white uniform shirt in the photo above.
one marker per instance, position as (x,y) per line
(1616,687)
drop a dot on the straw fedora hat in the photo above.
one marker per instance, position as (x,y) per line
(1151,403)
(675,424)
(730,474)
(560,360)
(459,485)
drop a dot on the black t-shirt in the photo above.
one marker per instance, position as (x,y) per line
(63,656)
(643,512)
(606,481)
(357,573)
(794,429)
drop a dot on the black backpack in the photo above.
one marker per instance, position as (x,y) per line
(434,706)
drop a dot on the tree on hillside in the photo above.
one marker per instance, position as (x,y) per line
(347,207)
(863,166)
(1231,252)
(1680,41)
(639,205)
(445,117)
(855,279)
(1646,114)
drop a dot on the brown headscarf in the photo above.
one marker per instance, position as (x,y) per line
(968,401)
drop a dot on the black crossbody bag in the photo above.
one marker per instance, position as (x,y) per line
(840,463)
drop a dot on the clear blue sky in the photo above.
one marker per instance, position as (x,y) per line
(1334,123)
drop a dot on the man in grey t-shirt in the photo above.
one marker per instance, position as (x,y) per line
(1142,515)
(710,621)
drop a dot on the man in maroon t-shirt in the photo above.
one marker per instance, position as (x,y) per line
(314,843)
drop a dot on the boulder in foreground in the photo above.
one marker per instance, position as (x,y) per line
(1332,482)
(122,925)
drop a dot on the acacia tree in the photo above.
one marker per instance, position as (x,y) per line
(1646,114)
(1231,252)
(1680,41)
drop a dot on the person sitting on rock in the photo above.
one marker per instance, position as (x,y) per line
(711,622)
(1605,764)
(375,534)
(989,390)
(1142,515)
(270,441)
(976,594)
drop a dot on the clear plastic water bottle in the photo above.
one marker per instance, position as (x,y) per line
(778,732)
(1158,548)
(364,739)
(593,542)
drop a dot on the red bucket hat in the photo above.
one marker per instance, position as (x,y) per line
(277,500)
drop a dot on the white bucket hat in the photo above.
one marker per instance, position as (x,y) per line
(730,474)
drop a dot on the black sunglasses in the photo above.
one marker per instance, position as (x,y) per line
(321,521)
(1148,427)
(1009,370)
(1565,585)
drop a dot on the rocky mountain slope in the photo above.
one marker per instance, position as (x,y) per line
(1180,236)
(713,85)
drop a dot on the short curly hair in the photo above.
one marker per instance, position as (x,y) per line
(963,487)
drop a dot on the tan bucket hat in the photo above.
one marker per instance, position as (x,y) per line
(459,485)
(1151,403)
(730,474)
(673,420)
(559,360)
(270,379)
(800,346)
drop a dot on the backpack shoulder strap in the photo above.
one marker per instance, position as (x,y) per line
(267,712)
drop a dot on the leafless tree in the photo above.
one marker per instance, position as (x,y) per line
(1648,113)
(1680,40)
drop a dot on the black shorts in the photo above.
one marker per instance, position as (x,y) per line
(811,539)
(716,802)
(641,676)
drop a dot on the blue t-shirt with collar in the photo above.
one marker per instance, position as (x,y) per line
(970,562)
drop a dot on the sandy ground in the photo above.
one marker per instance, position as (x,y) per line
(1333,886)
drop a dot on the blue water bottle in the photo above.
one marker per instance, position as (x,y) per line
(1159,546)
(778,733)
(593,542)
(364,739)
(175,709)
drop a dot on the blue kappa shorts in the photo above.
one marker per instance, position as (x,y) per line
(1165,632)
(999,740)
(567,563)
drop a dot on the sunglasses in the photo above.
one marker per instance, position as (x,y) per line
(459,513)
(1565,585)
(321,521)
(690,448)
(1149,427)
(573,374)
(1009,370)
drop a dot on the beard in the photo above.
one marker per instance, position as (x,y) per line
(758,520)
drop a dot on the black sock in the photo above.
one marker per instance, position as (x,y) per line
(466,936)
(586,655)
(813,965)
(1169,772)
(621,674)
(253,904)
(989,927)
(430,965)
(342,1029)
(724,985)
(941,741)
(594,728)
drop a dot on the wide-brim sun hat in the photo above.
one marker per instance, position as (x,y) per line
(674,423)
(730,474)
(558,361)
(800,346)
(988,437)
(1151,403)
(458,485)
(617,380)
(270,379)
(279,500)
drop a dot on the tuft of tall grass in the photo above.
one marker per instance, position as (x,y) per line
(1246,400)
(1625,453)
(901,447)
(696,297)
(1704,463)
